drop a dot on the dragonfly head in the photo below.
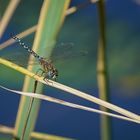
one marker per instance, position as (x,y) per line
(53,74)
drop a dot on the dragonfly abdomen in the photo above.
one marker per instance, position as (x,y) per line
(26,47)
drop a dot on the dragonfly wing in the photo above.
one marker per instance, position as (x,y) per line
(62,48)
(66,51)
(19,58)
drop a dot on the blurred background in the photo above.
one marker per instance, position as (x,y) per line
(81,30)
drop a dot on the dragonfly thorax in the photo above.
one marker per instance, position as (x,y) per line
(49,69)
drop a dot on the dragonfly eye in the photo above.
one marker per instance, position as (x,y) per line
(55,71)
(54,74)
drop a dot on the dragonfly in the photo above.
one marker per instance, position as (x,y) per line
(48,69)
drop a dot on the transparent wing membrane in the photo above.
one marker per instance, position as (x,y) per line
(62,52)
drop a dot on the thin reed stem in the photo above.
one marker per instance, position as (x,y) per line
(29,110)
(7,15)
(62,102)
(72,90)
(36,135)
(102,73)
(20,35)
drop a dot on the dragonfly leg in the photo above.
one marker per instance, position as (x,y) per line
(37,72)
(42,72)
(46,79)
